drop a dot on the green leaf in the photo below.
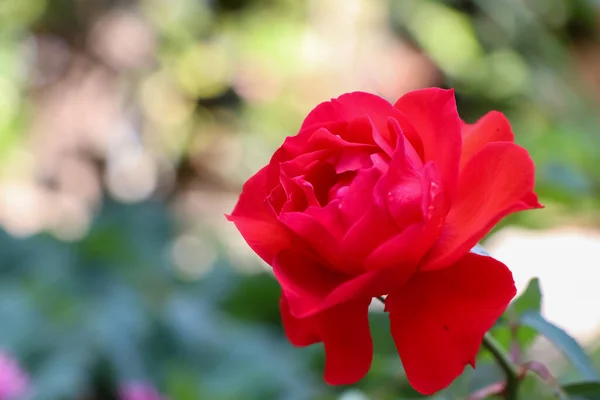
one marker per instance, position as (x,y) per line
(563,342)
(264,292)
(583,390)
(479,249)
(529,300)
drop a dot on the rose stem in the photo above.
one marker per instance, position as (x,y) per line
(510,370)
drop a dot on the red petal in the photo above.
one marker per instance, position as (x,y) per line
(370,223)
(402,251)
(322,176)
(373,229)
(301,164)
(438,318)
(413,155)
(305,282)
(299,331)
(256,220)
(359,129)
(497,181)
(492,127)
(407,248)
(353,159)
(251,203)
(399,189)
(434,203)
(300,194)
(330,217)
(348,344)
(311,288)
(352,105)
(265,238)
(322,138)
(309,145)
(315,235)
(432,113)
(299,143)
(346,335)
(366,285)
(358,196)
(349,106)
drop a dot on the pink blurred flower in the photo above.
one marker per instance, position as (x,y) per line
(138,391)
(13,380)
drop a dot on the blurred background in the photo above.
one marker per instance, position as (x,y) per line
(128,127)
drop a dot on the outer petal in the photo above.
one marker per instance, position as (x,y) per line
(432,113)
(305,282)
(322,138)
(256,220)
(299,143)
(352,105)
(496,182)
(311,288)
(348,344)
(345,332)
(300,332)
(492,127)
(438,318)
(251,203)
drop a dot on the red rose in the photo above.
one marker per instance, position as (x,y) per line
(370,199)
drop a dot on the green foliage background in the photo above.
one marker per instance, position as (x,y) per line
(127,128)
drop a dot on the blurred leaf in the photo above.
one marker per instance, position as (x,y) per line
(563,342)
(64,372)
(534,387)
(529,300)
(256,299)
(380,332)
(583,390)
(182,384)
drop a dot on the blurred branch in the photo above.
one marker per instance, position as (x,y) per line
(510,370)
(544,373)
(488,391)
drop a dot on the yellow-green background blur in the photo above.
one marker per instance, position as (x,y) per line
(128,127)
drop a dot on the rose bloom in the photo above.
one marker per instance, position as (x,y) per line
(372,199)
